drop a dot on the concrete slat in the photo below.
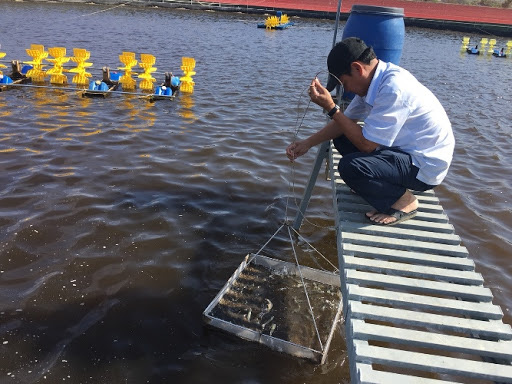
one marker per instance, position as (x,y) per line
(430,202)
(401,269)
(419,339)
(400,233)
(419,225)
(400,244)
(493,329)
(367,375)
(431,363)
(417,258)
(423,213)
(474,293)
(424,303)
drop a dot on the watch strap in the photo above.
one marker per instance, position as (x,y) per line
(333,111)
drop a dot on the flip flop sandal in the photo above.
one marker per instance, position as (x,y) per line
(400,216)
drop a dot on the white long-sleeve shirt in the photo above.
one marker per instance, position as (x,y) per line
(399,111)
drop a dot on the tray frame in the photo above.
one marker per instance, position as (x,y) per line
(277,344)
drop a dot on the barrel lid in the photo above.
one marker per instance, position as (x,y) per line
(358,8)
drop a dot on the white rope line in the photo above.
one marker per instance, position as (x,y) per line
(313,248)
(264,245)
(299,122)
(305,291)
(299,269)
(291,184)
(336,270)
(103,10)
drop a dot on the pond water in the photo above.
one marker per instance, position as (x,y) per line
(121,219)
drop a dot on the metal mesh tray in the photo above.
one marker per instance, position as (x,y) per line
(264,301)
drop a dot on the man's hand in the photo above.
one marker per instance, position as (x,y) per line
(297,149)
(320,95)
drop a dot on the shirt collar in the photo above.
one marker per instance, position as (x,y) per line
(374,84)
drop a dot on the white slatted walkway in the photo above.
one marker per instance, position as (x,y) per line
(415,309)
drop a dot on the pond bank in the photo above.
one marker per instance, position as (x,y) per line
(484,21)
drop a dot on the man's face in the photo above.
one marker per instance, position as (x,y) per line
(354,82)
(348,82)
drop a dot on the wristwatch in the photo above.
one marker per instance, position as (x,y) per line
(333,111)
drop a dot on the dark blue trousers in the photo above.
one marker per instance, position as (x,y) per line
(380,177)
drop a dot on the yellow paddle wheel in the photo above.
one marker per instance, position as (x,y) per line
(38,54)
(188,65)
(271,22)
(80,58)
(129,61)
(509,48)
(58,61)
(146,62)
(2,55)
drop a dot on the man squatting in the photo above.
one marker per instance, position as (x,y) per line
(406,142)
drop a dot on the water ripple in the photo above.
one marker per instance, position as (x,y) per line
(121,219)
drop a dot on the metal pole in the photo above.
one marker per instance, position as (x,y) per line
(323,151)
(337,23)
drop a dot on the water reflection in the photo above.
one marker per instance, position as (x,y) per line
(4,111)
(186,103)
(139,114)
(84,104)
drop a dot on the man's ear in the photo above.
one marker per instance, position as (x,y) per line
(357,67)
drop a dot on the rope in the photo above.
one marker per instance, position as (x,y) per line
(336,270)
(299,122)
(305,291)
(310,308)
(313,248)
(103,10)
(268,241)
(45,87)
(291,185)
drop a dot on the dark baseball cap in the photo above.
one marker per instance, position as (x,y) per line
(342,55)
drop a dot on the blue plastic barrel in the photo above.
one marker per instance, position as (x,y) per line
(175,81)
(380,27)
(4,79)
(114,76)
(93,86)
(25,69)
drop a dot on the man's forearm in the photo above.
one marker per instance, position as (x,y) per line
(353,132)
(329,132)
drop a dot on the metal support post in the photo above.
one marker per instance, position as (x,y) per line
(323,151)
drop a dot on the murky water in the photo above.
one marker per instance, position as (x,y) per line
(120,219)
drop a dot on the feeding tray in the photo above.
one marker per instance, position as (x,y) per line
(264,301)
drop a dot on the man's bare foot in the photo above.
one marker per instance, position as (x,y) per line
(404,208)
